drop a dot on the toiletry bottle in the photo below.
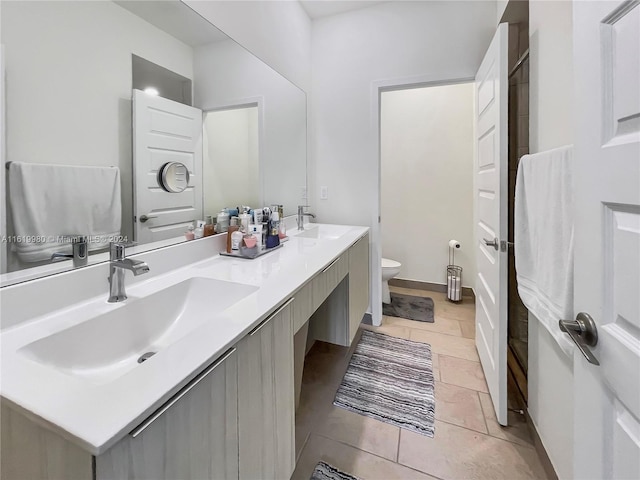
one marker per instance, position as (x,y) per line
(230,231)
(274,228)
(189,235)
(208,226)
(244,219)
(273,240)
(199,231)
(222,221)
(236,240)
(256,230)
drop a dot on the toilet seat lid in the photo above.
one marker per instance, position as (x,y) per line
(386,263)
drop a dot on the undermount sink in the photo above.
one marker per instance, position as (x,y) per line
(109,345)
(322,231)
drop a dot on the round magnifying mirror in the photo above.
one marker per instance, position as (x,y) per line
(174,177)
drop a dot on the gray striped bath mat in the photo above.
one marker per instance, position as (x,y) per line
(390,379)
(324,471)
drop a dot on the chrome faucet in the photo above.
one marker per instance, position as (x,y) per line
(118,263)
(80,254)
(301,215)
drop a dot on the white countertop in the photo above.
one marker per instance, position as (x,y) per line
(95,416)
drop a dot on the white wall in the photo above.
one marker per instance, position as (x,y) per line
(69,83)
(281,109)
(277,32)
(550,374)
(351,54)
(551,74)
(231,173)
(426,155)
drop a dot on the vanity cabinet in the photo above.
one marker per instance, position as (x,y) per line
(345,287)
(358,285)
(266,412)
(192,436)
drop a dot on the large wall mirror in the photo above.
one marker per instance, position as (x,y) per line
(84,146)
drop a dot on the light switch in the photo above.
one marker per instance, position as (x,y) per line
(324,193)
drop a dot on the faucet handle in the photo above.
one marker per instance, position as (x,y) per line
(116,251)
(301,208)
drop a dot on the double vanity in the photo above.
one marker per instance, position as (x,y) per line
(195,375)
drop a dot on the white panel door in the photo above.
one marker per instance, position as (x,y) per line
(606,42)
(491,218)
(165,131)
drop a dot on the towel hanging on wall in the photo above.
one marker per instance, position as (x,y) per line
(48,202)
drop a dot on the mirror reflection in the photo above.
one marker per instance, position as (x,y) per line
(92,117)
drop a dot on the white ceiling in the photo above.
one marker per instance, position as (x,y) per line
(324,8)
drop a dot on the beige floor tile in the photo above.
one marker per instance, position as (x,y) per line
(361,432)
(440,325)
(324,368)
(315,402)
(455,311)
(459,406)
(461,372)
(325,364)
(350,460)
(389,328)
(517,431)
(435,363)
(468,328)
(419,293)
(456,453)
(447,344)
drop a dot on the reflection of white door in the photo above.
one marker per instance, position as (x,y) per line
(606,44)
(491,219)
(3,191)
(165,131)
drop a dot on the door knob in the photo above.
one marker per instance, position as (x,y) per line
(144,218)
(495,243)
(584,333)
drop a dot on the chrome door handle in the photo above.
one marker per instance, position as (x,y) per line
(584,333)
(144,218)
(495,243)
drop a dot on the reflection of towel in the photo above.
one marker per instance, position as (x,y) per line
(544,238)
(52,201)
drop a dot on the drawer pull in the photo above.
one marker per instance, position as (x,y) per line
(186,389)
(330,265)
(265,321)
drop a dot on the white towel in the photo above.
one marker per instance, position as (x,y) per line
(544,238)
(52,201)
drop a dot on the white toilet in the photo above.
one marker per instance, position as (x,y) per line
(390,268)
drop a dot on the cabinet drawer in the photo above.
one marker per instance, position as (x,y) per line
(193,435)
(324,283)
(302,307)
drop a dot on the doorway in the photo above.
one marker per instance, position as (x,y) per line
(518,315)
(426,152)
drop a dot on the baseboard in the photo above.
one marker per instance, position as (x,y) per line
(428,286)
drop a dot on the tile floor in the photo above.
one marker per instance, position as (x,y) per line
(468,444)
